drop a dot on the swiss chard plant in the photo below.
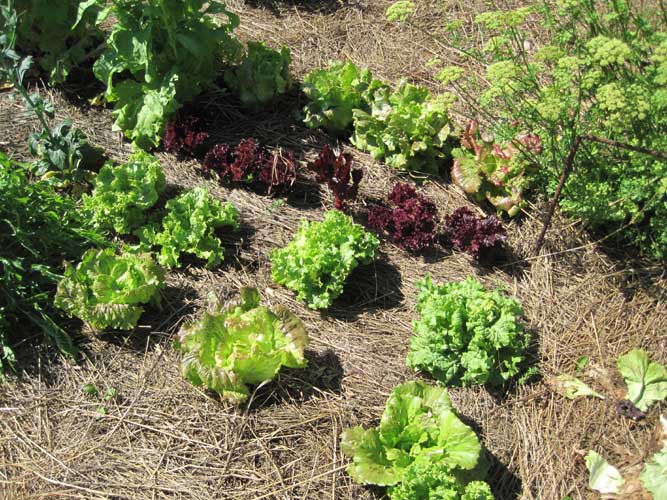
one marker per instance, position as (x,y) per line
(321,257)
(495,172)
(123,194)
(189,227)
(477,236)
(421,449)
(261,76)
(159,55)
(334,93)
(39,227)
(239,343)
(467,335)
(108,290)
(410,220)
(407,128)
(335,170)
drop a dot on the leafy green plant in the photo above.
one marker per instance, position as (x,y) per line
(321,257)
(334,92)
(407,128)
(495,172)
(123,193)
(189,227)
(107,289)
(159,55)
(56,35)
(39,227)
(593,91)
(420,447)
(240,343)
(467,335)
(262,75)
(64,152)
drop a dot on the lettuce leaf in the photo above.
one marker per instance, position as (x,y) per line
(407,128)
(107,290)
(418,426)
(321,257)
(604,478)
(239,343)
(334,93)
(262,76)
(159,55)
(189,227)
(646,380)
(124,193)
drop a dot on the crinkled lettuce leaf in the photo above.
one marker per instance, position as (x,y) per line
(189,227)
(418,426)
(321,257)
(239,343)
(123,193)
(262,76)
(646,380)
(467,335)
(437,481)
(107,290)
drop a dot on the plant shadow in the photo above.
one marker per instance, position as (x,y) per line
(323,374)
(369,288)
(157,324)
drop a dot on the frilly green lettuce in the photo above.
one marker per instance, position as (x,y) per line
(321,257)
(467,335)
(124,193)
(239,343)
(189,227)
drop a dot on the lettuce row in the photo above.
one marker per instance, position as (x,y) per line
(467,335)
(189,227)
(239,343)
(123,194)
(420,447)
(321,257)
(107,290)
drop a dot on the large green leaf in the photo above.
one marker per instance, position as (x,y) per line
(646,380)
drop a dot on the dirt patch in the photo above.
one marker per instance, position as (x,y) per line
(162,438)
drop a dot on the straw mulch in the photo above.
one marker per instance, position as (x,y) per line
(162,438)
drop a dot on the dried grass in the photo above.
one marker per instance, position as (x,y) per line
(162,438)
